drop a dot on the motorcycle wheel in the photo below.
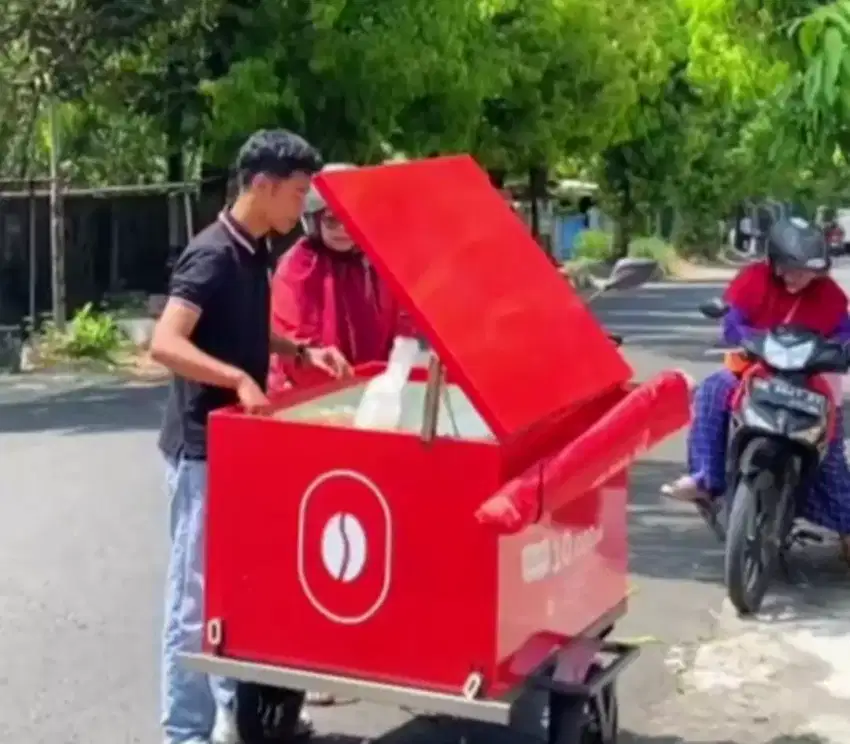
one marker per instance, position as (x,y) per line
(750,560)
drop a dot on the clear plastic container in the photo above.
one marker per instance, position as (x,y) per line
(381,405)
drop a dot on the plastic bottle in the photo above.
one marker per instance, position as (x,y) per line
(381,404)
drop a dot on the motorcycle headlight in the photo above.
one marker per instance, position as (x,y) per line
(787,358)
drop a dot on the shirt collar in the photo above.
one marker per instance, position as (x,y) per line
(240,235)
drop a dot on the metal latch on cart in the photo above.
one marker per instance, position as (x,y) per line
(472,687)
(214,633)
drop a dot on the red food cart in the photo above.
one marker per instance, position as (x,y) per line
(477,554)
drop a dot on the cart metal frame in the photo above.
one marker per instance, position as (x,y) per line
(567,697)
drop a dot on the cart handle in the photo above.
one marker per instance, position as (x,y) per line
(643,418)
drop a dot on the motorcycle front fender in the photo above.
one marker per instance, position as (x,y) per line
(773,470)
(768,462)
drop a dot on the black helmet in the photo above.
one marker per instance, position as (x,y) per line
(793,243)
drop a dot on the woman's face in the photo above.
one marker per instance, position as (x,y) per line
(334,234)
(796,280)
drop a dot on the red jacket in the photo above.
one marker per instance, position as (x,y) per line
(328,298)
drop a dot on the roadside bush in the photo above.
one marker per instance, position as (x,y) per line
(593,245)
(654,248)
(91,334)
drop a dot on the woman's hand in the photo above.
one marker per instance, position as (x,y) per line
(328,359)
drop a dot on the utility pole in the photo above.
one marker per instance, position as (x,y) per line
(57,222)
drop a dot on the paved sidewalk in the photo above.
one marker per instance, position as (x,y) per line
(782,677)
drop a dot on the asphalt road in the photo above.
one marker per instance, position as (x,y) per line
(82,550)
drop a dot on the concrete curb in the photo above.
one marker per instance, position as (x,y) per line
(579,275)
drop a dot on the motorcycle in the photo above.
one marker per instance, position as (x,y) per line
(782,420)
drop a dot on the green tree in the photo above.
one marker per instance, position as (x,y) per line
(701,141)
(353,75)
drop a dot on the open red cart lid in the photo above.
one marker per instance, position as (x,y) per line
(509,328)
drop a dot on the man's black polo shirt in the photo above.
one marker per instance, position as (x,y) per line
(225,274)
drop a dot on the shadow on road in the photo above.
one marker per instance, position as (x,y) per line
(629,738)
(103,408)
(430,731)
(664,320)
(668,540)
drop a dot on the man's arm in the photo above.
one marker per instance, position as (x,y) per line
(172,348)
(194,281)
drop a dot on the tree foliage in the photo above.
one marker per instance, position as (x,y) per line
(679,107)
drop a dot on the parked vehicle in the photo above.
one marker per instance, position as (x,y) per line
(836,228)
(834,236)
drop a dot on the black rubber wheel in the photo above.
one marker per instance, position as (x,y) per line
(750,562)
(603,725)
(590,721)
(267,715)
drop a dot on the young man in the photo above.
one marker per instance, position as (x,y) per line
(214,335)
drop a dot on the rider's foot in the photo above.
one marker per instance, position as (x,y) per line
(684,489)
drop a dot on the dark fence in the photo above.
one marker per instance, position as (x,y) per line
(113,244)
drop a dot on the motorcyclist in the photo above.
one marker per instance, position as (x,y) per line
(791,287)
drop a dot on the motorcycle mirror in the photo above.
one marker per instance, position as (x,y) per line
(629,273)
(715,308)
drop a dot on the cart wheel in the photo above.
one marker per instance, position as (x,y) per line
(602,723)
(267,715)
(593,720)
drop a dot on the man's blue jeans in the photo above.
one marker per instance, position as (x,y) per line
(189,699)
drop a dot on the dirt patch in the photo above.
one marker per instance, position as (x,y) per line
(690,271)
(136,366)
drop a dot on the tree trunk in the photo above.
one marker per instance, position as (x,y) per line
(623,226)
(537,194)
(175,171)
(622,236)
(57,224)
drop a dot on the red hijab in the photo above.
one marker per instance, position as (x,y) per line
(765,302)
(330,298)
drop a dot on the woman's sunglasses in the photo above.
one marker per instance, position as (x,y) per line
(330,222)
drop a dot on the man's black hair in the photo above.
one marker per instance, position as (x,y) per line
(276,152)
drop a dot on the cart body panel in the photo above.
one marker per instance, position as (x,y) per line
(436,598)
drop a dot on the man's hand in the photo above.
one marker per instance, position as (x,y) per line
(328,359)
(252,399)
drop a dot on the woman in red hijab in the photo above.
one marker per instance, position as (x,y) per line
(792,287)
(325,288)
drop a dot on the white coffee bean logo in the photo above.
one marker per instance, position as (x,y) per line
(344,547)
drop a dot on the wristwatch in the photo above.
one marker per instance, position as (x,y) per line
(301,354)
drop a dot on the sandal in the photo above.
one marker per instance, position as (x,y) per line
(687,490)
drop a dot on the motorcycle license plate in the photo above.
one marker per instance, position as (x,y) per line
(783,394)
